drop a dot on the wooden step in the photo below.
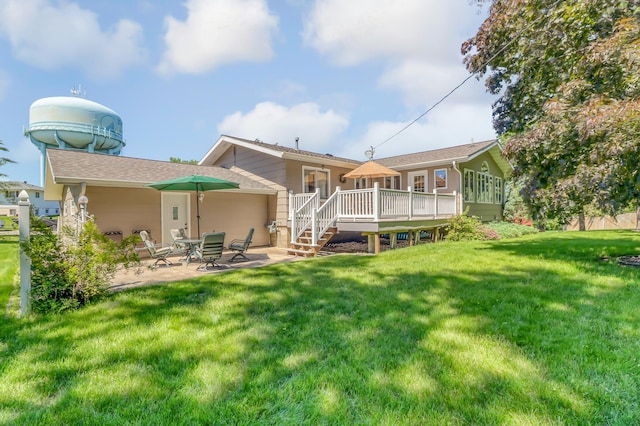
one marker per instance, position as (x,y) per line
(298,252)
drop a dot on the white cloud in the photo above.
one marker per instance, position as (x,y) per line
(319,131)
(457,125)
(418,43)
(218,32)
(360,30)
(64,35)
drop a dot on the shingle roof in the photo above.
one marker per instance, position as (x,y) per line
(19,186)
(436,155)
(78,166)
(275,148)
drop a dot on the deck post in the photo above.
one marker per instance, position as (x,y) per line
(376,204)
(377,243)
(393,240)
(371,244)
(293,226)
(410,191)
(455,203)
(435,203)
(314,226)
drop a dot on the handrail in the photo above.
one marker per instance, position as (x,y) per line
(367,204)
(301,218)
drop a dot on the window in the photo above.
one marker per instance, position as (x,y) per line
(37,195)
(418,181)
(469,186)
(315,178)
(440,178)
(498,197)
(485,189)
(392,182)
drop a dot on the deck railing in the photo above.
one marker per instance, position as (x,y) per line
(371,204)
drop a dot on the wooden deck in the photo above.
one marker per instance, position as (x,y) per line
(371,211)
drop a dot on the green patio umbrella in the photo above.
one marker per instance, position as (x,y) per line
(196,183)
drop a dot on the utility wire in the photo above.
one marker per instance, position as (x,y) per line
(502,49)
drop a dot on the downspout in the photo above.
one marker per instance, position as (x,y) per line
(461,189)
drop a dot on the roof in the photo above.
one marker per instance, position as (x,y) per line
(459,153)
(68,167)
(19,186)
(225,141)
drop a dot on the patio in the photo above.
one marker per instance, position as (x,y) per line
(258,257)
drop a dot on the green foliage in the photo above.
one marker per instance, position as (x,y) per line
(465,228)
(67,276)
(3,160)
(180,160)
(567,74)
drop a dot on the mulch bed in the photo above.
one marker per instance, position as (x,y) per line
(629,260)
(359,246)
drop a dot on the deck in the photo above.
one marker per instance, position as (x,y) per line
(369,211)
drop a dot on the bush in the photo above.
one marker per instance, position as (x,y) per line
(67,276)
(465,228)
(510,230)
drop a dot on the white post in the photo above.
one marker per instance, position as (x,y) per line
(410,191)
(314,226)
(455,203)
(435,203)
(293,226)
(376,201)
(338,202)
(24,213)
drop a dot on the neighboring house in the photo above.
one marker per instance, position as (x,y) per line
(10,192)
(292,197)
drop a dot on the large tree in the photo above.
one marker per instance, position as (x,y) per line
(567,73)
(3,160)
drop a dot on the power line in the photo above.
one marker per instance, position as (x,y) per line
(483,66)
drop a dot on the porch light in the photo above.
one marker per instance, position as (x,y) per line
(83,200)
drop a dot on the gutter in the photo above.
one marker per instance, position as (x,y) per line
(455,167)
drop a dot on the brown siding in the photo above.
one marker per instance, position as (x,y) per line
(266,166)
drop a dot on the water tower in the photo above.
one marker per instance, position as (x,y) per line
(68,122)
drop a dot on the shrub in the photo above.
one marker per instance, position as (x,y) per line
(464,228)
(510,230)
(67,276)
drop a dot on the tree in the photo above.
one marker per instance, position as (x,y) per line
(568,76)
(180,160)
(4,160)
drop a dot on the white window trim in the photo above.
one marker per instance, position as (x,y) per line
(424,173)
(471,199)
(392,180)
(317,169)
(499,192)
(446,179)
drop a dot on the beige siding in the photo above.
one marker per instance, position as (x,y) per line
(266,166)
(128,210)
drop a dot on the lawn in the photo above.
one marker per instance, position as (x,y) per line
(539,330)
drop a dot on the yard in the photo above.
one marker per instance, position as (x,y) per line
(543,329)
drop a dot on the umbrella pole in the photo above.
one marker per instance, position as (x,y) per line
(198,210)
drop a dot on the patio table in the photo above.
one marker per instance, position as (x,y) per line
(193,244)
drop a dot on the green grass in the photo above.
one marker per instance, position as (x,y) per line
(539,330)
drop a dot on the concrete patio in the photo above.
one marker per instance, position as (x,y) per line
(145,275)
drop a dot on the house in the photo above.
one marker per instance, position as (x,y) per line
(294,198)
(123,205)
(10,192)
(440,183)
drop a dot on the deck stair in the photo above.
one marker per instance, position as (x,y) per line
(304,247)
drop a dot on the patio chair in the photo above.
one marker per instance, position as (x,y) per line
(159,254)
(210,249)
(240,246)
(177,234)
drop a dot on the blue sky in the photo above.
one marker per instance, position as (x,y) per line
(340,75)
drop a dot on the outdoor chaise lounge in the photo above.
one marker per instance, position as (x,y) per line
(241,246)
(159,254)
(210,249)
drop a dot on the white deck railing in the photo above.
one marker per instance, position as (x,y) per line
(371,204)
